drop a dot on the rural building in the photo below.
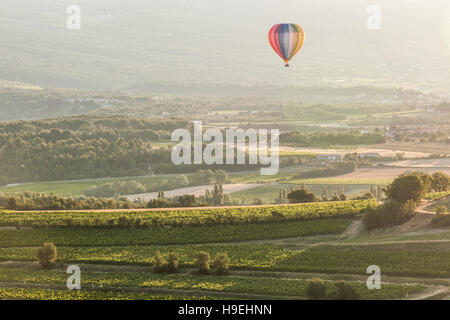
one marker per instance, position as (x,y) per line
(329,157)
(369,155)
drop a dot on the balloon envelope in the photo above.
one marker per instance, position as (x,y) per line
(286,39)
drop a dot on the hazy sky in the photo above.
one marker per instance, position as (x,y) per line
(224,41)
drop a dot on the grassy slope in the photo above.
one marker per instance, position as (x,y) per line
(419,259)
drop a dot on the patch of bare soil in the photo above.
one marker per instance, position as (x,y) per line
(432,293)
(420,221)
(353,230)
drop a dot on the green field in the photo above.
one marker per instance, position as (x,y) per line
(180,235)
(186,217)
(269,193)
(339,181)
(229,284)
(412,259)
(285,176)
(48,294)
(256,177)
(438,235)
(287,249)
(73,188)
(288,177)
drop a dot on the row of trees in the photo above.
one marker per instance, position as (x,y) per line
(220,264)
(317,290)
(38,201)
(303,195)
(215,197)
(326,139)
(47,256)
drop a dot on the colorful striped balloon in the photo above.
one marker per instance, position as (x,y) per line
(287,40)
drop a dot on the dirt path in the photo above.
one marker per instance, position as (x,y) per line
(353,230)
(432,293)
(384,242)
(436,282)
(421,219)
(423,204)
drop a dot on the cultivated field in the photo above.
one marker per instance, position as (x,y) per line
(388,173)
(274,250)
(415,147)
(427,164)
(382,150)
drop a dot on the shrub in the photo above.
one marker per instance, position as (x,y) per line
(440,181)
(389,214)
(342,197)
(367,196)
(345,291)
(257,202)
(221,263)
(159,264)
(316,289)
(47,255)
(173,263)
(408,207)
(301,196)
(441,209)
(203,262)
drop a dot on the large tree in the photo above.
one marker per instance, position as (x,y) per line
(411,186)
(300,196)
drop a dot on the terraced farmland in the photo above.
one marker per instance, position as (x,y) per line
(116,259)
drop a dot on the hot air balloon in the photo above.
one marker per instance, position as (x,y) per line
(287,40)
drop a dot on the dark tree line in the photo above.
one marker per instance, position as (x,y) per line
(81,147)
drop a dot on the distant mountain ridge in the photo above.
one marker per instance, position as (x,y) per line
(17,85)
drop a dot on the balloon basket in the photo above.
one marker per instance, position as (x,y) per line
(287,65)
